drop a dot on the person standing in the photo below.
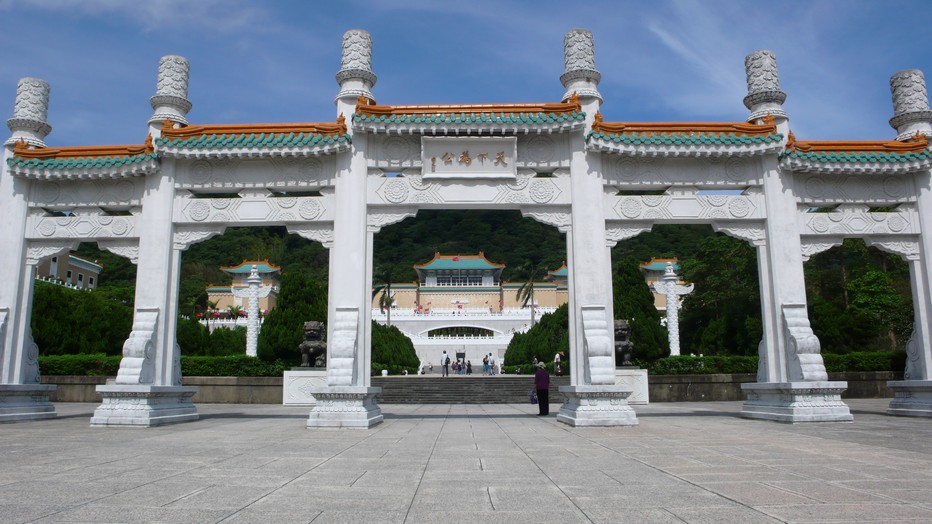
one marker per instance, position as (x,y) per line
(445,364)
(542,384)
(556,365)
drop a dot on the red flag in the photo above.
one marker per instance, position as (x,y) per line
(456,259)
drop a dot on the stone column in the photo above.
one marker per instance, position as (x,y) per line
(668,287)
(592,398)
(148,390)
(21,395)
(911,113)
(253,293)
(348,400)
(913,394)
(803,392)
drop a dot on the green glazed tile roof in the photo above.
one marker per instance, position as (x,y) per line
(684,139)
(61,164)
(246,267)
(659,266)
(879,157)
(253,140)
(473,118)
(458,262)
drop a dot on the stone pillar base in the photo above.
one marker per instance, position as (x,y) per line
(298,383)
(26,402)
(634,379)
(596,406)
(144,405)
(792,402)
(345,407)
(911,398)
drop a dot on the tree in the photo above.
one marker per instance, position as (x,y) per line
(544,340)
(633,301)
(301,299)
(68,321)
(384,275)
(392,350)
(530,272)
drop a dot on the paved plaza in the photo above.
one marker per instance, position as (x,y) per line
(685,462)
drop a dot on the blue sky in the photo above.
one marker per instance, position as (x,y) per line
(275,61)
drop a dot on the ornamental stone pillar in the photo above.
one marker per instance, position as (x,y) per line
(793,385)
(21,395)
(672,291)
(913,394)
(348,400)
(148,390)
(252,294)
(911,113)
(592,398)
(171,94)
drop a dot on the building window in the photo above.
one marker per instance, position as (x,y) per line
(54,259)
(459,281)
(68,277)
(90,282)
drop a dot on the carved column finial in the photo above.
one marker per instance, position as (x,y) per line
(30,113)
(911,111)
(171,94)
(355,76)
(579,73)
(764,94)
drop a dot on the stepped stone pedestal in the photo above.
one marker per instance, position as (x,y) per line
(26,402)
(911,398)
(345,407)
(792,402)
(596,406)
(144,405)
(298,383)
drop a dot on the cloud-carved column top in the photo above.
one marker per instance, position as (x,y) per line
(764,94)
(30,112)
(355,76)
(579,72)
(171,91)
(911,111)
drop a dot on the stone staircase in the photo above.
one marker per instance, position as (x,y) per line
(462,389)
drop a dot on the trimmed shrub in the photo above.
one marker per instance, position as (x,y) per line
(81,364)
(392,350)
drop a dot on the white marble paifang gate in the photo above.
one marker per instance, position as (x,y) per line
(338,183)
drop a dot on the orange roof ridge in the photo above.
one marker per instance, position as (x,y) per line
(21,150)
(918,143)
(364,106)
(768,127)
(324,128)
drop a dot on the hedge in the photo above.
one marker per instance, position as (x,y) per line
(193,366)
(857,361)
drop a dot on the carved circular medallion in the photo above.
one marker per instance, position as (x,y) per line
(286,216)
(542,191)
(123,190)
(540,149)
(717,200)
(220,203)
(104,220)
(522,180)
(517,198)
(735,169)
(199,210)
(120,227)
(815,187)
(652,200)
(630,207)
(287,202)
(718,213)
(894,186)
(739,207)
(46,227)
(395,191)
(222,216)
(311,169)
(398,148)
(819,224)
(653,214)
(201,172)
(310,209)
(48,191)
(627,169)
(63,221)
(896,224)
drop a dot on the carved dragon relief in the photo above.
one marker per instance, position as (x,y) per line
(342,347)
(802,345)
(138,362)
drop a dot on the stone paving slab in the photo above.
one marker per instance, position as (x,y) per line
(685,462)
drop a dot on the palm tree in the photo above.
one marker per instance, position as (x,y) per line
(530,272)
(234,311)
(211,307)
(384,274)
